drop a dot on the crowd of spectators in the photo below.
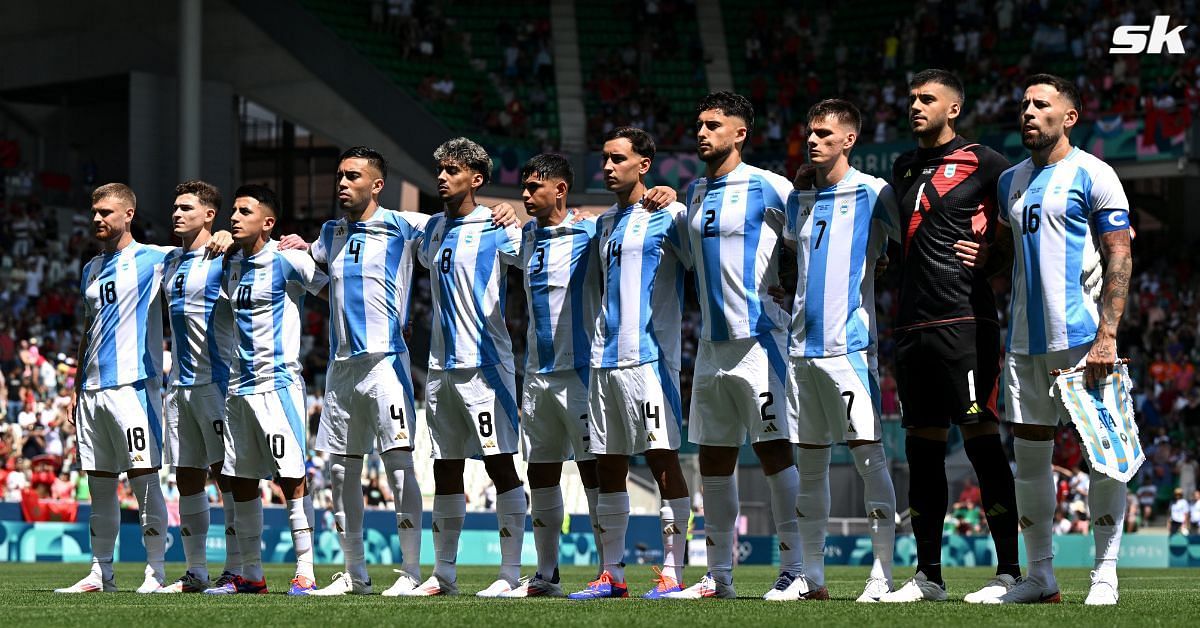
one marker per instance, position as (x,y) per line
(792,58)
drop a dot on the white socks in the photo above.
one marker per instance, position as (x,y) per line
(105,523)
(249,537)
(510,519)
(193,530)
(612,513)
(1106,505)
(1036,501)
(812,510)
(153,511)
(233,552)
(302,534)
(546,508)
(880,501)
(785,486)
(406,497)
(346,481)
(674,515)
(593,496)
(449,511)
(720,519)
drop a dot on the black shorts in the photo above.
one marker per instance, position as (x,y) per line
(948,374)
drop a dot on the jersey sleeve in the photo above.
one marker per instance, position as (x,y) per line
(415,222)
(776,192)
(677,235)
(318,249)
(799,204)
(508,245)
(423,241)
(887,212)
(303,270)
(1109,205)
(1002,185)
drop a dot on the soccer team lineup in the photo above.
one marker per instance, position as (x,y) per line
(784,274)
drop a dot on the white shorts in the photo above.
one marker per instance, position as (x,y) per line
(634,408)
(739,389)
(195,426)
(834,399)
(555,422)
(471,412)
(120,428)
(265,434)
(1028,383)
(368,405)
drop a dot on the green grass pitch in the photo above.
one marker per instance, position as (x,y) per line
(1169,597)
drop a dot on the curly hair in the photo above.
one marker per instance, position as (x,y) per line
(464,152)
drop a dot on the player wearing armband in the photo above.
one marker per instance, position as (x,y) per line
(1061,205)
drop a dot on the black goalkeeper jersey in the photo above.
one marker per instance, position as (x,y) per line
(947,193)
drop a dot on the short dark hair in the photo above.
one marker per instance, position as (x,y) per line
(730,104)
(843,111)
(260,193)
(1064,87)
(207,193)
(642,143)
(119,191)
(549,166)
(464,152)
(372,156)
(941,77)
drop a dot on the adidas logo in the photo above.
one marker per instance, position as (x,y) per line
(908,173)
(537,523)
(229,531)
(996,511)
(975,409)
(139,458)
(407,524)
(505,534)
(184,532)
(402,436)
(150,532)
(708,541)
(339,527)
(876,515)
(783,547)
(1025,522)
(650,437)
(671,529)
(770,428)
(491,444)
(1106,520)
(435,527)
(912,513)
(799,514)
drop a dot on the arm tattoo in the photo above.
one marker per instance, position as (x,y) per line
(1118,267)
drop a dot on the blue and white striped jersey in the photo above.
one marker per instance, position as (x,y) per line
(370,274)
(1056,214)
(201,322)
(122,294)
(734,226)
(837,235)
(266,292)
(562,286)
(466,258)
(641,256)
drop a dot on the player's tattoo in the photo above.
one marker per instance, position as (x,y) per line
(1118,267)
